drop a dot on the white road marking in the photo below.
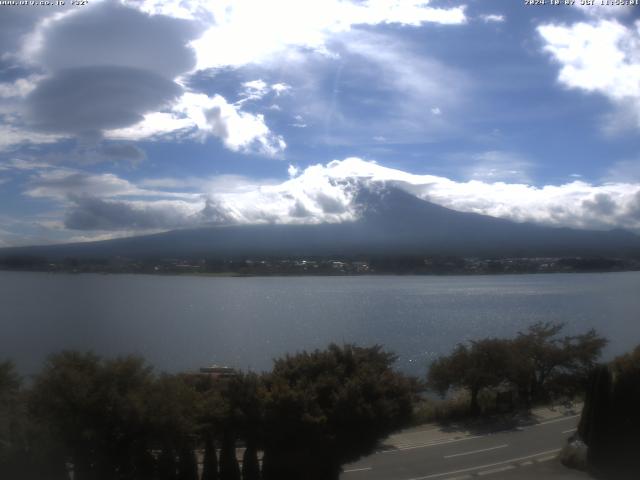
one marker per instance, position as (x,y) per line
(463,477)
(496,470)
(444,441)
(480,467)
(570,430)
(546,459)
(363,469)
(476,451)
(563,419)
(433,444)
(526,464)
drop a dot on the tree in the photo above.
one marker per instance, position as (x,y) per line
(244,395)
(167,467)
(482,364)
(63,398)
(330,407)
(229,468)
(210,460)
(547,362)
(121,389)
(96,409)
(188,465)
(232,408)
(10,448)
(171,409)
(250,464)
(610,418)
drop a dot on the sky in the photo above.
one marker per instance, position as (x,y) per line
(121,118)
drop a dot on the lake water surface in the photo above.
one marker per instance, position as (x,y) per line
(182,322)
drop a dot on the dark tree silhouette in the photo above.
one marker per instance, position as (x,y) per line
(229,468)
(538,363)
(97,410)
(482,364)
(326,408)
(611,418)
(250,464)
(188,464)
(547,360)
(210,460)
(167,465)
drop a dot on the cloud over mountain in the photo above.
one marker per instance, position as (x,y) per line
(322,193)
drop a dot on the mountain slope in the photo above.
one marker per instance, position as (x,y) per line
(392,222)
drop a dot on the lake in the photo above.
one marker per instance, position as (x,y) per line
(184,322)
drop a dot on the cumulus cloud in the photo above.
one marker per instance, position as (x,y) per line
(317,194)
(91,213)
(254,90)
(324,193)
(97,79)
(601,58)
(252,31)
(258,89)
(197,115)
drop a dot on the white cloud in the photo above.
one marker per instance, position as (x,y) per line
(23,165)
(11,136)
(319,193)
(492,18)
(250,31)
(189,10)
(258,89)
(497,166)
(61,183)
(254,89)
(80,46)
(198,116)
(293,171)
(599,58)
(92,213)
(19,88)
(280,88)
(327,192)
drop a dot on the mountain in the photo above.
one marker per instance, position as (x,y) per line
(392,222)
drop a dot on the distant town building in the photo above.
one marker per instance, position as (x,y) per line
(217,371)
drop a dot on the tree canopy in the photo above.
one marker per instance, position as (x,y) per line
(538,363)
(330,407)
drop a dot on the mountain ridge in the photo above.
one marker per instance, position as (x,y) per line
(391,222)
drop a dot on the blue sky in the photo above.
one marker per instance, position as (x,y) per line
(123,118)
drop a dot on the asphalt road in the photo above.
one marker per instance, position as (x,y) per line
(521,452)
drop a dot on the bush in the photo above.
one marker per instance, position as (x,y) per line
(610,419)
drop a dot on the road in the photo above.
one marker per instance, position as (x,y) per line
(431,453)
